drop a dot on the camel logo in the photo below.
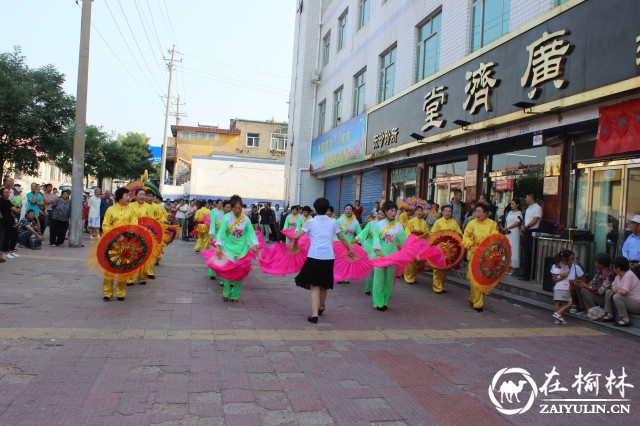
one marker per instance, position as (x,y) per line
(510,389)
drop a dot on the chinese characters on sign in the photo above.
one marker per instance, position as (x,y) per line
(385,138)
(433,102)
(546,62)
(478,88)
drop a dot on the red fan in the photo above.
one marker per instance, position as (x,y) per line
(346,268)
(278,260)
(450,243)
(490,262)
(152,225)
(400,259)
(121,252)
(172,232)
(230,270)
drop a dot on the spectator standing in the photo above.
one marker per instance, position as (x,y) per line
(181,214)
(59,219)
(358,211)
(49,198)
(511,230)
(376,207)
(8,222)
(85,213)
(35,201)
(94,215)
(277,214)
(532,218)
(266,218)
(457,206)
(105,203)
(631,247)
(255,217)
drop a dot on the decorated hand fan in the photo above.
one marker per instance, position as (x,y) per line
(121,252)
(400,259)
(304,242)
(490,262)
(156,230)
(450,243)
(207,219)
(230,270)
(278,260)
(171,232)
(347,268)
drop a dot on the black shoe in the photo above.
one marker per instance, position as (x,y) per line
(313,320)
(157,263)
(320,311)
(106,299)
(152,277)
(380,308)
(385,307)
(368,293)
(142,283)
(478,309)
(212,277)
(120,299)
(523,278)
(130,284)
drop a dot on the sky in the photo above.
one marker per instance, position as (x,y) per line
(235,57)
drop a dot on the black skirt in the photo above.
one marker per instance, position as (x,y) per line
(316,272)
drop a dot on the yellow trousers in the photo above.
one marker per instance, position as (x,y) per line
(107,288)
(476,297)
(439,277)
(411,273)
(203,241)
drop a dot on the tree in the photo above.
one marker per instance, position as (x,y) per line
(94,155)
(34,113)
(136,148)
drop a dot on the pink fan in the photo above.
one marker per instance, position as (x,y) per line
(304,242)
(208,254)
(261,243)
(232,271)
(434,256)
(207,220)
(400,259)
(346,268)
(278,260)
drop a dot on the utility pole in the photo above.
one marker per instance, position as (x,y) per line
(166,123)
(177,115)
(79,136)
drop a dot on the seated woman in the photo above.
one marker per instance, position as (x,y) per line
(624,293)
(592,294)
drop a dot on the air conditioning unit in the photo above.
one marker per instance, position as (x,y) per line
(316,77)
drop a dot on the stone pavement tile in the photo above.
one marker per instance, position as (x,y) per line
(249,419)
(206,410)
(100,404)
(135,402)
(237,395)
(306,404)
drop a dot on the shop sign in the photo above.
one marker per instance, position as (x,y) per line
(405,175)
(471,178)
(340,146)
(505,185)
(618,128)
(567,55)
(552,164)
(388,137)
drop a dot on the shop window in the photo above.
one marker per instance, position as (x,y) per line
(490,21)
(428,49)
(446,178)
(403,183)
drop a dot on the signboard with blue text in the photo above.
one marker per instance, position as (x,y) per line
(156,154)
(340,146)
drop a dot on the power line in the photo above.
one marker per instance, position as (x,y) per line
(236,84)
(235,66)
(235,80)
(148,40)
(121,63)
(155,29)
(144,59)
(175,39)
(128,47)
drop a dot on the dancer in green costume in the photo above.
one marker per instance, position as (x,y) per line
(365,237)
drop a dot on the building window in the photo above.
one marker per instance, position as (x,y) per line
(322,115)
(278,141)
(428,47)
(253,140)
(337,107)
(358,92)
(363,12)
(387,74)
(490,21)
(326,47)
(342,30)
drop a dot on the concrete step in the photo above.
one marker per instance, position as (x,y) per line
(532,295)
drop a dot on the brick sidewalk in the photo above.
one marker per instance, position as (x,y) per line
(174,353)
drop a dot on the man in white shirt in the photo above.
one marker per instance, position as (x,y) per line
(532,219)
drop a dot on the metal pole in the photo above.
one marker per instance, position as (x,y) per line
(166,125)
(79,136)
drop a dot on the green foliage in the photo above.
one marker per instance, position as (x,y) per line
(34,113)
(135,146)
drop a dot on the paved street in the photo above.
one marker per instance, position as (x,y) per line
(174,353)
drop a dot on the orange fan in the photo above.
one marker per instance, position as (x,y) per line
(450,242)
(490,262)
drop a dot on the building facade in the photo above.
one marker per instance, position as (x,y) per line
(503,97)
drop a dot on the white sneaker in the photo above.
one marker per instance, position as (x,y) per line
(15,253)
(7,256)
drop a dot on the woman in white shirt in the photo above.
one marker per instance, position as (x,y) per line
(94,215)
(181,215)
(317,272)
(512,229)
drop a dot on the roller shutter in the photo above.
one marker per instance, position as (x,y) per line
(331,191)
(348,191)
(370,189)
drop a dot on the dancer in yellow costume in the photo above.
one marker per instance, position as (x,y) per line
(203,230)
(157,212)
(418,227)
(120,213)
(445,223)
(476,230)
(142,209)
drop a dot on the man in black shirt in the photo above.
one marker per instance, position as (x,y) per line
(267,216)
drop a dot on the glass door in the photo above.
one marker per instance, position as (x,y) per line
(606,205)
(632,201)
